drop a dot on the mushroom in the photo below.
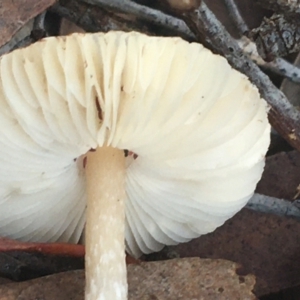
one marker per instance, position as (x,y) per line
(196,131)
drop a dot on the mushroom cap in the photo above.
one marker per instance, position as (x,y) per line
(199,128)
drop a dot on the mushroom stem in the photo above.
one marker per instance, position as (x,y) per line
(106,277)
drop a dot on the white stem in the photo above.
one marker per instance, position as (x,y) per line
(106,277)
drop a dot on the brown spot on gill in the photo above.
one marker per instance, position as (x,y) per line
(100,116)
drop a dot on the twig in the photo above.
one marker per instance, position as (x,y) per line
(20,39)
(273,205)
(32,31)
(283,68)
(283,116)
(276,36)
(94,19)
(38,30)
(278,65)
(236,17)
(145,13)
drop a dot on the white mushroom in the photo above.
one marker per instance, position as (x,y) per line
(198,129)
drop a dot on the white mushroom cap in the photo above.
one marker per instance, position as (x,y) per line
(199,128)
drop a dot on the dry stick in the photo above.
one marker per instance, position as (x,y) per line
(93,19)
(283,68)
(20,39)
(145,13)
(271,205)
(278,65)
(39,31)
(236,17)
(283,116)
(96,18)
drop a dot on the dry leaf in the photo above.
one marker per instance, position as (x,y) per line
(267,246)
(62,286)
(189,279)
(185,279)
(281,176)
(15,14)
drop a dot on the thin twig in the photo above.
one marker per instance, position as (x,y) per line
(20,39)
(278,65)
(39,31)
(283,116)
(236,17)
(273,205)
(145,13)
(93,19)
(283,68)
